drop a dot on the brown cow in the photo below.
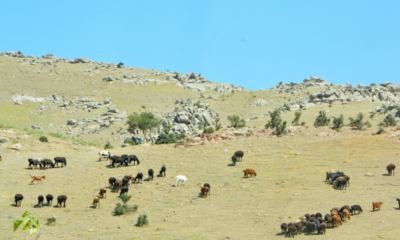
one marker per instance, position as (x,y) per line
(346,214)
(204,191)
(323,227)
(250,172)
(376,205)
(37,178)
(103,193)
(390,169)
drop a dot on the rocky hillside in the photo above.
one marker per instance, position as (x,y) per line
(89,101)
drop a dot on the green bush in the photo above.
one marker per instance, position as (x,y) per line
(132,143)
(281,129)
(236,122)
(358,122)
(209,130)
(142,220)
(43,139)
(120,209)
(380,131)
(108,146)
(297,115)
(120,65)
(338,122)
(389,121)
(322,120)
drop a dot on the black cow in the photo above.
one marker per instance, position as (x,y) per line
(239,155)
(209,187)
(163,169)
(234,160)
(134,159)
(111,181)
(139,177)
(341,183)
(124,190)
(18,199)
(40,201)
(334,176)
(355,208)
(119,160)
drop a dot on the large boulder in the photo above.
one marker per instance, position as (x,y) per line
(259,102)
(4,141)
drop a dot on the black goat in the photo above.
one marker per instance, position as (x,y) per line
(61,199)
(124,190)
(111,181)
(134,159)
(139,177)
(151,174)
(239,155)
(61,160)
(49,199)
(40,201)
(163,170)
(18,199)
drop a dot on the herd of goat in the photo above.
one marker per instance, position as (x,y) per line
(307,223)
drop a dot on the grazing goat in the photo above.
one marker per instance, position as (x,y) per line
(33,162)
(139,177)
(292,230)
(209,187)
(117,185)
(204,191)
(346,214)
(96,202)
(390,169)
(18,199)
(250,172)
(323,227)
(49,199)
(234,160)
(318,215)
(48,163)
(299,227)
(132,178)
(0,159)
(239,155)
(398,200)
(340,183)
(104,154)
(151,174)
(134,159)
(40,201)
(119,160)
(376,205)
(61,160)
(125,181)
(345,207)
(311,227)
(163,170)
(124,190)
(181,178)
(61,199)
(102,193)
(284,227)
(111,181)
(37,178)
(355,208)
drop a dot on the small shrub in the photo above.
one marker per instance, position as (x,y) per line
(249,133)
(236,122)
(142,220)
(120,209)
(217,124)
(380,131)
(51,221)
(281,129)
(108,146)
(358,122)
(209,130)
(297,115)
(132,143)
(203,143)
(43,139)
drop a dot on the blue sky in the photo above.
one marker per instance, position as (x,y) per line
(254,44)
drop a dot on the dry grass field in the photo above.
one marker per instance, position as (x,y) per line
(238,208)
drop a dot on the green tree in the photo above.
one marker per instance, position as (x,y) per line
(296,120)
(120,65)
(322,120)
(28,223)
(275,119)
(236,122)
(358,121)
(281,128)
(145,121)
(217,124)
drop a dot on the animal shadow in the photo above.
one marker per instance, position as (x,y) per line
(13,205)
(92,206)
(231,165)
(385,174)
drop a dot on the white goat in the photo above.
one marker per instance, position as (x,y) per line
(181,178)
(105,154)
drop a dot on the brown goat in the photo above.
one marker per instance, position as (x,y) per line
(102,193)
(117,185)
(96,202)
(37,178)
(250,172)
(338,219)
(0,159)
(390,169)
(323,227)
(376,205)
(204,191)
(346,214)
